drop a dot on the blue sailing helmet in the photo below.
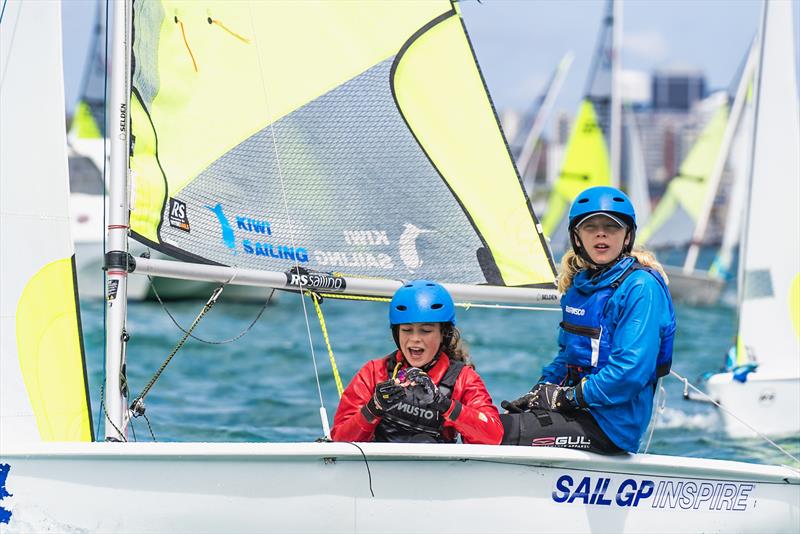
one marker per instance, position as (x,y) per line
(422,301)
(602,199)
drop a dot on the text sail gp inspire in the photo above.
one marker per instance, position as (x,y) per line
(672,494)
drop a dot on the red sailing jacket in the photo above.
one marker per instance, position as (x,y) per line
(477,420)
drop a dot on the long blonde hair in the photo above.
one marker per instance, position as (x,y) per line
(571,264)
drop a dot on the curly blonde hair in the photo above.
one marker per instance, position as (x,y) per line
(571,264)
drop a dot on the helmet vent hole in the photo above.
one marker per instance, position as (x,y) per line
(436,306)
(401,307)
(617,199)
(583,201)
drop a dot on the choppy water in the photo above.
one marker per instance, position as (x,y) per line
(263,387)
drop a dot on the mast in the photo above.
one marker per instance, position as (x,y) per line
(532,138)
(116,402)
(616,108)
(719,164)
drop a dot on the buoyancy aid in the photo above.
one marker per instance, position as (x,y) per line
(409,420)
(588,329)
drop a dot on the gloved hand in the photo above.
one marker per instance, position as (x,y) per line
(545,396)
(386,395)
(425,392)
(557,398)
(532,399)
(519,405)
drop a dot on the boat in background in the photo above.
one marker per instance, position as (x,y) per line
(762,383)
(601,131)
(587,162)
(407,58)
(681,218)
(525,147)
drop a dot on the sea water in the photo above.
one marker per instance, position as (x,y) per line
(268,384)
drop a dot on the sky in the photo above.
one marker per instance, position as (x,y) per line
(519,42)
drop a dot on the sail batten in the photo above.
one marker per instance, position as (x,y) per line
(373,152)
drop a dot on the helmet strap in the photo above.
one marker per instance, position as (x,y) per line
(396,334)
(580,250)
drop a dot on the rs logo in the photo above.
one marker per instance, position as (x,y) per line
(178,210)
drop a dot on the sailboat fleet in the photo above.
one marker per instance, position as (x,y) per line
(213,181)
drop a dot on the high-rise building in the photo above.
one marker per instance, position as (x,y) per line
(677,88)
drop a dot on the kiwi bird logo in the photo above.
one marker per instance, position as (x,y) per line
(408,246)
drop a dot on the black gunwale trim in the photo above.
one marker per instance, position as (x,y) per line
(83,349)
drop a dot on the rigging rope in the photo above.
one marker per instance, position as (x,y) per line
(465,305)
(137,406)
(290,225)
(317,299)
(687,385)
(105,210)
(209,341)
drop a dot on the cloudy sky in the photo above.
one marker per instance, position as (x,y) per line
(519,42)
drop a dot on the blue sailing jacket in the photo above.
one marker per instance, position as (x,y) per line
(615,337)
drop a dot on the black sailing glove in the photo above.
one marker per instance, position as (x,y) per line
(519,405)
(386,395)
(532,399)
(425,392)
(558,398)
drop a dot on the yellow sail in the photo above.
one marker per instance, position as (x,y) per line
(673,220)
(43,383)
(585,165)
(354,137)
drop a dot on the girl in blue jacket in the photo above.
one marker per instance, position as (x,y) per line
(615,339)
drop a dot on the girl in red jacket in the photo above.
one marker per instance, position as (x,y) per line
(425,392)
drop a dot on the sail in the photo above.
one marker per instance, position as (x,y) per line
(88,117)
(638,189)
(585,165)
(769,314)
(43,388)
(525,143)
(347,137)
(673,220)
(586,160)
(739,158)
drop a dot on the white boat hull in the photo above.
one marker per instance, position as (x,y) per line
(326,487)
(767,403)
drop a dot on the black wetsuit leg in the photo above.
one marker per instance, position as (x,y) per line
(543,428)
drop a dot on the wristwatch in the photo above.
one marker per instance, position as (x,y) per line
(569,395)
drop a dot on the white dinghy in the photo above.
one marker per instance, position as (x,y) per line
(769,267)
(54,477)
